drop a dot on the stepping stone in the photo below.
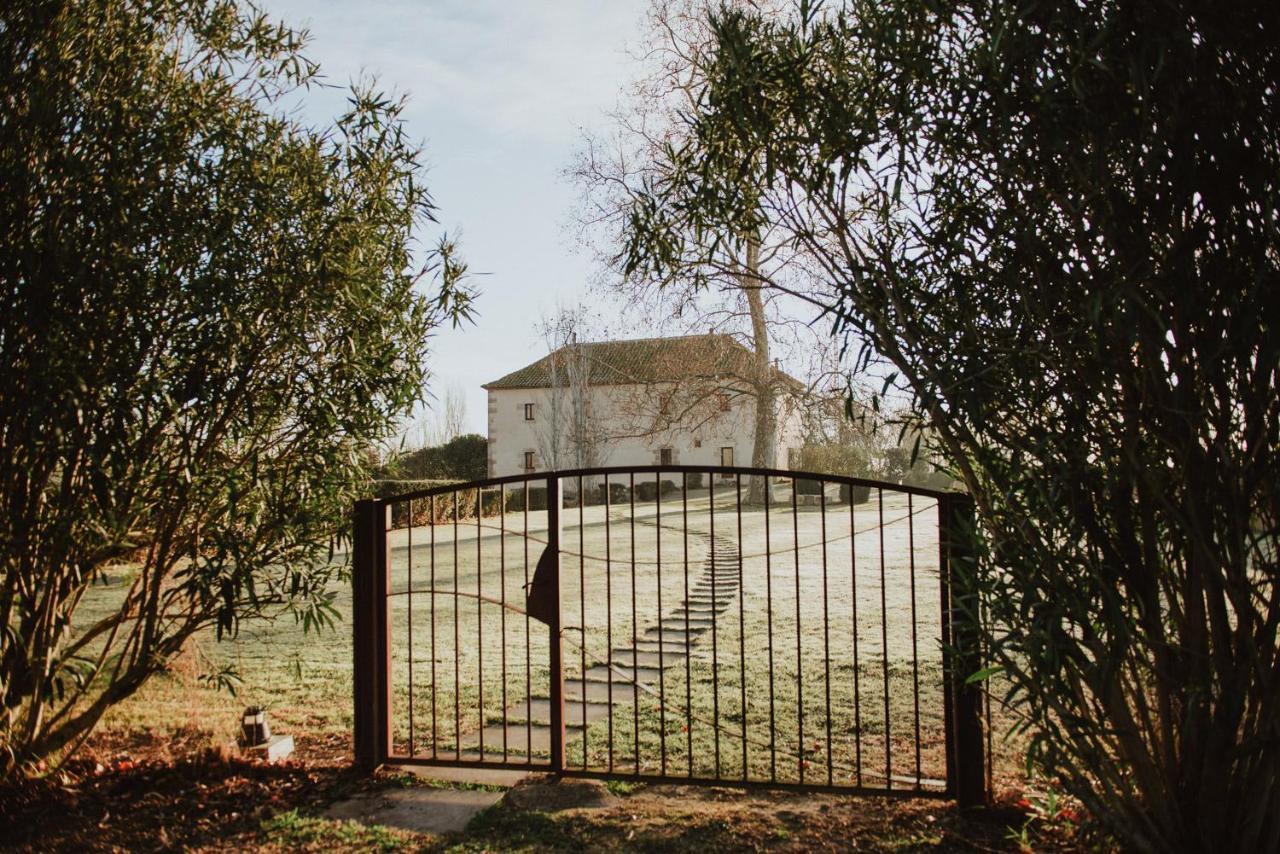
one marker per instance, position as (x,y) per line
(680,623)
(625,674)
(623,692)
(647,659)
(719,592)
(521,739)
(669,633)
(668,645)
(708,604)
(718,587)
(539,711)
(698,615)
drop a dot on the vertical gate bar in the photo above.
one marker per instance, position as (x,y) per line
(457,642)
(502,610)
(409,605)
(857,668)
(662,686)
(986,701)
(480,615)
(715,605)
(431,519)
(528,642)
(582,611)
(795,545)
(608,613)
(948,641)
(915,657)
(742,626)
(635,696)
(555,502)
(768,594)
(688,672)
(884,648)
(366,666)
(826,626)
(971,789)
(382,578)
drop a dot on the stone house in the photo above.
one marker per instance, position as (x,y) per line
(687,400)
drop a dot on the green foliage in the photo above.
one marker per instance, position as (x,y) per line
(464,458)
(211,314)
(834,459)
(1057,226)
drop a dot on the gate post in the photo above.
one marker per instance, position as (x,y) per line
(555,501)
(967,759)
(371,677)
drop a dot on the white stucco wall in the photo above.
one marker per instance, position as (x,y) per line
(625,415)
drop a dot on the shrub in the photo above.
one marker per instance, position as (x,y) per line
(212,314)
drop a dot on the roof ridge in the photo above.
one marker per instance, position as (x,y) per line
(628,361)
(729,335)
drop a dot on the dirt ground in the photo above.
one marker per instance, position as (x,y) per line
(143,793)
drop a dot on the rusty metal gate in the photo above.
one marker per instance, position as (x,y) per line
(725,626)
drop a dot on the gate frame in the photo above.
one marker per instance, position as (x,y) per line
(960,622)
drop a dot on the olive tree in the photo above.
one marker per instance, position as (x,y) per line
(1058,225)
(211,314)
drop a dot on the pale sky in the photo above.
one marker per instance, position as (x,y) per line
(498,92)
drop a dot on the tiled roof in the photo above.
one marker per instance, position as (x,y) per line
(645,360)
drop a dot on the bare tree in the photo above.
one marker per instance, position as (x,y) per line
(442,422)
(453,415)
(573,434)
(747,286)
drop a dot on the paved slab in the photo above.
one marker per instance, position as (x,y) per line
(623,692)
(627,657)
(629,674)
(520,738)
(539,710)
(422,810)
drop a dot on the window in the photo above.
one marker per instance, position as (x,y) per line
(726,457)
(697,443)
(665,457)
(723,400)
(528,459)
(528,412)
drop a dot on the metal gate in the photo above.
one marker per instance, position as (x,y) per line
(725,626)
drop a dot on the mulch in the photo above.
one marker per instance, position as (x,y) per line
(141,793)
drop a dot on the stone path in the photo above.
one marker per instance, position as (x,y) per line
(589,697)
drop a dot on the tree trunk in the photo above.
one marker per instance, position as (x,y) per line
(763,382)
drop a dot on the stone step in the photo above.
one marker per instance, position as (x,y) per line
(647,659)
(623,692)
(601,673)
(539,711)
